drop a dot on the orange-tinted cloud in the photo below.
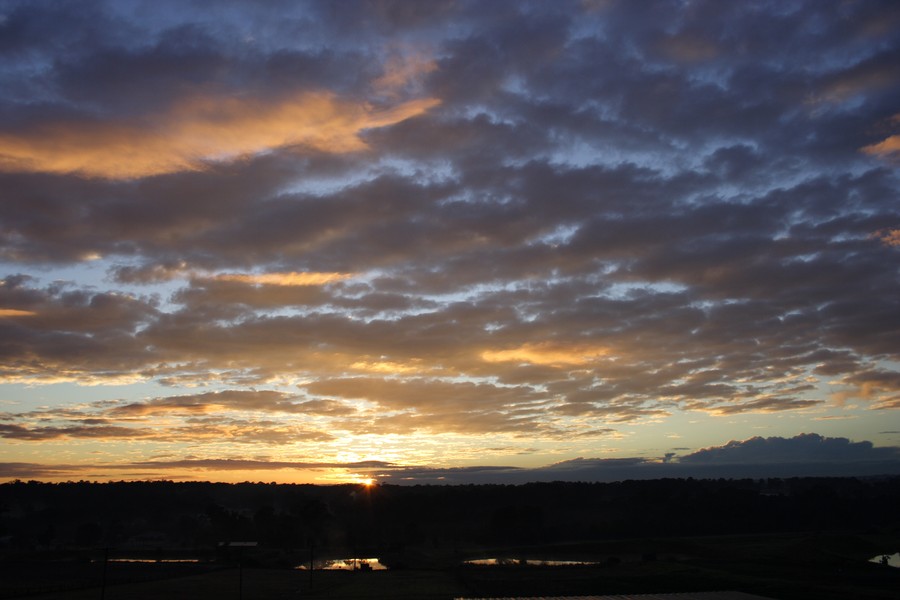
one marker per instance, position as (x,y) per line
(889,237)
(888,147)
(400,70)
(14,312)
(284,279)
(19,432)
(547,354)
(860,80)
(196,131)
(761,405)
(388,367)
(260,401)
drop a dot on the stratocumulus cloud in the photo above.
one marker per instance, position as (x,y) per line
(195,132)
(446,236)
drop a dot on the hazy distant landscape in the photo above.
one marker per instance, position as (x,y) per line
(785,538)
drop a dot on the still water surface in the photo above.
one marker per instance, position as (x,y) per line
(154,560)
(345,564)
(893,559)
(491,562)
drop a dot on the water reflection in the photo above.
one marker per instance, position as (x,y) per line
(891,560)
(345,564)
(148,560)
(493,562)
(154,560)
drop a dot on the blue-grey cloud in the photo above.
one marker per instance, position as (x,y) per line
(805,455)
(803,448)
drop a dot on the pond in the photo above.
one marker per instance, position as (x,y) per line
(893,560)
(345,564)
(153,560)
(531,562)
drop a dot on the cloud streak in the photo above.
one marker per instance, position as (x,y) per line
(196,133)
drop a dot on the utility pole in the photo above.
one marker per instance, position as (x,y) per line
(240,550)
(312,550)
(103,576)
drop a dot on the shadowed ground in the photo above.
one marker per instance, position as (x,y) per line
(784,567)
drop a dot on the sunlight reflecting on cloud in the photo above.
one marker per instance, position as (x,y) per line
(14,312)
(284,279)
(888,147)
(402,69)
(889,237)
(386,367)
(547,354)
(198,130)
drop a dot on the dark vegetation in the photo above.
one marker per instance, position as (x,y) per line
(784,538)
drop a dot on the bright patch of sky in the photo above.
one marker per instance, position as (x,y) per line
(559,236)
(88,274)
(323,186)
(623,290)
(22,397)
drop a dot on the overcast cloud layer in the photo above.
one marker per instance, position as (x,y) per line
(441,233)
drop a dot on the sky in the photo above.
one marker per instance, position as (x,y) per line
(448,242)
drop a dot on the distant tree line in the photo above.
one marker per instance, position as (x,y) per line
(384,518)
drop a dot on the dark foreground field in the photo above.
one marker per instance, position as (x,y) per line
(784,567)
(788,539)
